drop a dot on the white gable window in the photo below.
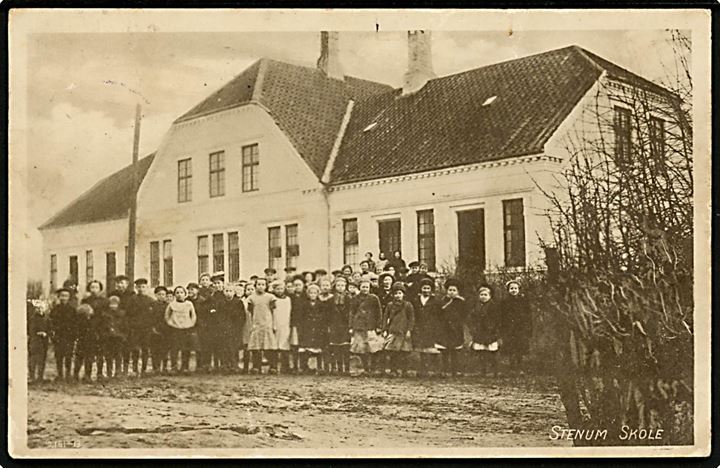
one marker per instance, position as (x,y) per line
(217,174)
(250,167)
(184,183)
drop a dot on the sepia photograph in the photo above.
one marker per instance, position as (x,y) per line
(376,233)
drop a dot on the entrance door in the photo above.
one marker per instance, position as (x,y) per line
(389,235)
(471,240)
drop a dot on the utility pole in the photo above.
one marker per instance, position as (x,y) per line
(133,205)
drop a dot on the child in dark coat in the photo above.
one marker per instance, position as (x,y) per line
(63,326)
(140,324)
(313,328)
(38,339)
(516,325)
(452,319)
(159,337)
(99,306)
(87,347)
(399,322)
(114,335)
(365,323)
(427,324)
(484,326)
(231,312)
(340,328)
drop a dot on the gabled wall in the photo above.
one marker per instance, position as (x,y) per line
(288,193)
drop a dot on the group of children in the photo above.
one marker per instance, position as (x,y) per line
(281,323)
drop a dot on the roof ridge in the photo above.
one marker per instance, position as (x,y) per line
(524,57)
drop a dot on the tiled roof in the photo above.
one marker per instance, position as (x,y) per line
(307,105)
(107,200)
(502,110)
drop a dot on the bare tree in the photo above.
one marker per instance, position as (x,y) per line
(622,217)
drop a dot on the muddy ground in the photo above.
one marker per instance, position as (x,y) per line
(256,411)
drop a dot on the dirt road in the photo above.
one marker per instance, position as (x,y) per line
(242,411)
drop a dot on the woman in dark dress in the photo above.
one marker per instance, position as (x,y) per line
(427,323)
(453,313)
(516,325)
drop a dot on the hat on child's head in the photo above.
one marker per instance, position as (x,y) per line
(320,272)
(427,282)
(269,271)
(193,286)
(121,278)
(382,277)
(290,269)
(160,288)
(414,264)
(452,282)
(140,281)
(507,285)
(62,290)
(114,300)
(218,276)
(398,286)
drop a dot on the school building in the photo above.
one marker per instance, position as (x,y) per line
(305,166)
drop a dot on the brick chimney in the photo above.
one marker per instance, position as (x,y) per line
(329,61)
(420,68)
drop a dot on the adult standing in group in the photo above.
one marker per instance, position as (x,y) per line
(381,263)
(397,262)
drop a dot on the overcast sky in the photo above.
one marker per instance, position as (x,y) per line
(82,88)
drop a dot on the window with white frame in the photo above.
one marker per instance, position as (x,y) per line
(184,183)
(274,248)
(350,243)
(217,174)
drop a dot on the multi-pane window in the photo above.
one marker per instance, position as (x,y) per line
(74,269)
(203,255)
(184,183)
(250,167)
(218,252)
(657,138)
(217,174)
(292,245)
(233,256)
(389,234)
(514,228)
(167,263)
(89,266)
(127,262)
(623,134)
(274,248)
(426,238)
(350,242)
(53,273)
(110,267)
(154,264)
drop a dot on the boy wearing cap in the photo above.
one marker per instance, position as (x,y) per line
(214,326)
(159,337)
(38,338)
(63,327)
(114,337)
(140,321)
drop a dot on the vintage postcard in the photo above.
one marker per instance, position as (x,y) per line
(359,233)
